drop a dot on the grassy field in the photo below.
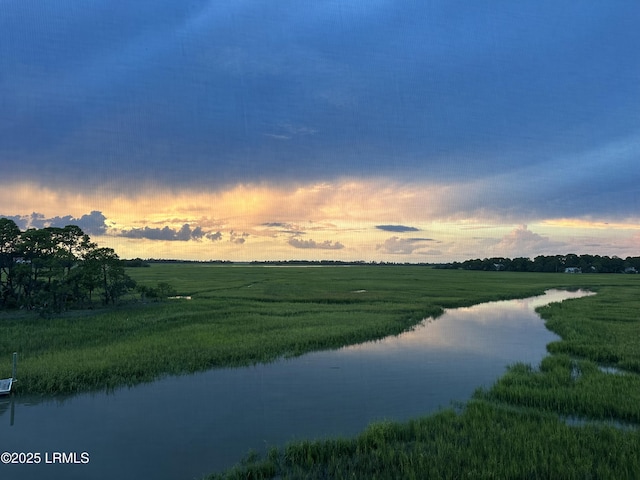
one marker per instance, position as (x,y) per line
(525,426)
(241,315)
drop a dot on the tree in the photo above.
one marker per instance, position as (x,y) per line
(521,264)
(74,245)
(103,267)
(52,268)
(9,237)
(36,247)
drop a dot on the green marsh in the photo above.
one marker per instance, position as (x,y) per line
(240,315)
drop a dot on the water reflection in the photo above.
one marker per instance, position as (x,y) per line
(8,404)
(185,427)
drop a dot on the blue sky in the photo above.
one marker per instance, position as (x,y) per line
(190,129)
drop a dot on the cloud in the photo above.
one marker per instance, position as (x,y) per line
(185,233)
(326,245)
(402,246)
(19,220)
(523,242)
(277,137)
(396,228)
(351,209)
(275,224)
(417,102)
(238,238)
(92,223)
(287,132)
(282,227)
(214,236)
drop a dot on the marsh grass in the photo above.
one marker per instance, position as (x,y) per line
(484,441)
(554,388)
(240,315)
(604,328)
(518,428)
(596,330)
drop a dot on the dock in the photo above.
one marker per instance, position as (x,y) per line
(5,384)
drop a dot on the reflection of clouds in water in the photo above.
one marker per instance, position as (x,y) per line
(481,313)
(552,296)
(485,328)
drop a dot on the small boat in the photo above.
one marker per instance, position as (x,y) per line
(5,386)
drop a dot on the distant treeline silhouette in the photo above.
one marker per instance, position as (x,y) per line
(569,263)
(52,269)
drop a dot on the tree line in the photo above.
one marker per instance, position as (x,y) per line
(552,263)
(52,269)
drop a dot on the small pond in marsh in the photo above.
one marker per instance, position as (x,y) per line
(188,426)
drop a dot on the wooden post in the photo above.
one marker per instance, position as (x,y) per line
(15,366)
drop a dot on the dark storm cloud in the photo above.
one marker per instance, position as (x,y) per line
(596,184)
(396,228)
(209,93)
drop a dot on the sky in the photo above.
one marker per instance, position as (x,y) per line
(413,131)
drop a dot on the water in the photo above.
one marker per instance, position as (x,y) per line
(186,427)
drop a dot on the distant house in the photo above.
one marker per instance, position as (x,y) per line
(498,266)
(21,260)
(630,270)
(573,270)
